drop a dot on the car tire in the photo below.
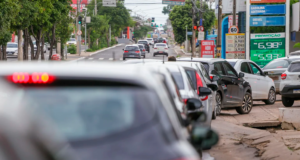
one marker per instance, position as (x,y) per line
(247,104)
(287,102)
(271,97)
(219,104)
(153,55)
(124,59)
(144,56)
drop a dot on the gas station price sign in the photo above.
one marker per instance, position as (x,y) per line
(267,47)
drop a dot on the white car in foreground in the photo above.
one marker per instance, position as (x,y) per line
(290,84)
(150,41)
(72,41)
(263,87)
(161,49)
(11,49)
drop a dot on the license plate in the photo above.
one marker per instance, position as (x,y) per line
(160,52)
(296,90)
(131,56)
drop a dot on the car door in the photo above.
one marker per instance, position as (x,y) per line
(234,84)
(262,85)
(251,78)
(223,83)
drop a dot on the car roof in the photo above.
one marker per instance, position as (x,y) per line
(160,43)
(132,45)
(141,61)
(297,61)
(184,64)
(170,66)
(209,60)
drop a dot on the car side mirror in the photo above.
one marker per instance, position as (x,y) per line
(266,73)
(214,72)
(213,87)
(123,49)
(203,91)
(203,137)
(241,75)
(193,104)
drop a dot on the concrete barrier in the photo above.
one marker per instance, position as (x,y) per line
(289,118)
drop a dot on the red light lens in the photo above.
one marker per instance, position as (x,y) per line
(184,101)
(126,51)
(211,77)
(20,77)
(155,48)
(144,50)
(137,51)
(283,76)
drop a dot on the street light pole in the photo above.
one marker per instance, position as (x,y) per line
(219,28)
(85,31)
(186,39)
(78,28)
(234,12)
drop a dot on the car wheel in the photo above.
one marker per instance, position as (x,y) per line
(124,59)
(144,56)
(218,104)
(287,102)
(271,97)
(153,55)
(247,104)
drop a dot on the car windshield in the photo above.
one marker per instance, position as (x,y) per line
(92,112)
(149,39)
(178,79)
(142,42)
(232,63)
(161,45)
(141,46)
(131,48)
(72,39)
(12,45)
(281,63)
(294,67)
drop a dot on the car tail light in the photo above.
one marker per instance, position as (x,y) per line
(283,76)
(184,101)
(211,77)
(166,48)
(126,51)
(155,48)
(137,51)
(144,50)
(20,77)
(204,99)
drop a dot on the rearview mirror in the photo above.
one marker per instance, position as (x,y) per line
(193,104)
(241,75)
(215,78)
(203,91)
(203,137)
(213,87)
(266,73)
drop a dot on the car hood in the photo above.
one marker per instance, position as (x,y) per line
(11,49)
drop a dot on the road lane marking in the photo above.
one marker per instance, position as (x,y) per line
(101,58)
(110,59)
(91,58)
(121,59)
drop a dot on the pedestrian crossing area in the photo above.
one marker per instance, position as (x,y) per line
(104,59)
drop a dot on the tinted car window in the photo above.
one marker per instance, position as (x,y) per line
(255,69)
(178,79)
(192,76)
(206,65)
(277,64)
(204,72)
(93,112)
(143,42)
(131,48)
(163,45)
(141,46)
(295,67)
(229,69)
(245,68)
(12,45)
(218,67)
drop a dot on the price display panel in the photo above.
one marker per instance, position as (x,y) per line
(264,50)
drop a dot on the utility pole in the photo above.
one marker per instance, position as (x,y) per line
(186,39)
(219,29)
(96,7)
(194,32)
(109,35)
(78,27)
(200,16)
(20,45)
(234,12)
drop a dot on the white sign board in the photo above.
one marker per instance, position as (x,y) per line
(230,20)
(296,16)
(233,29)
(87,19)
(200,36)
(228,6)
(235,46)
(109,3)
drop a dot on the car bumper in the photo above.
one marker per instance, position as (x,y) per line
(288,91)
(161,53)
(131,56)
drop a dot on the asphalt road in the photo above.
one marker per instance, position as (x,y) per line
(116,53)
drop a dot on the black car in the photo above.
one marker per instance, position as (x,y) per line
(108,111)
(132,51)
(155,40)
(233,91)
(146,44)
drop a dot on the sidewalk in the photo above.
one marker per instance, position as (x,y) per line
(77,57)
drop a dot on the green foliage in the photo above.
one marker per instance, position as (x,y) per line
(181,17)
(297,45)
(167,9)
(72,49)
(142,31)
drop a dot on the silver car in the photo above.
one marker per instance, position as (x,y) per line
(278,66)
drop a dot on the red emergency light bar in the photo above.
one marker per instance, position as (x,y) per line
(38,78)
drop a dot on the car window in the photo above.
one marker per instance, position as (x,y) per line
(206,65)
(255,69)
(141,46)
(162,45)
(191,74)
(295,67)
(143,42)
(204,72)
(245,68)
(131,48)
(12,45)
(282,63)
(229,69)
(178,79)
(218,67)
(72,39)
(149,39)
(93,112)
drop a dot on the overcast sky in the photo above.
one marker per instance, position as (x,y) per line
(148,10)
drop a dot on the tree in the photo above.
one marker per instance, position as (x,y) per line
(141,32)
(181,17)
(167,9)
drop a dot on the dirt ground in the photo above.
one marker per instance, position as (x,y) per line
(230,127)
